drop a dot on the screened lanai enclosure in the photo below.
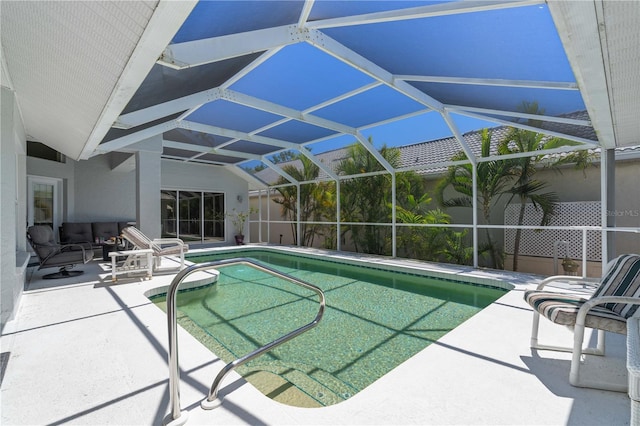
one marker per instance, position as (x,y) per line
(358,124)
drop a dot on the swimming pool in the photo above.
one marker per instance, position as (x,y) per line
(375,320)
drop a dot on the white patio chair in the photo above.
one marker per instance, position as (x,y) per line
(614,300)
(161,247)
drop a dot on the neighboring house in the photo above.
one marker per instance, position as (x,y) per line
(572,186)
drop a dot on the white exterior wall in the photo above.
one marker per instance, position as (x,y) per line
(95,191)
(13,257)
(177,175)
(102,194)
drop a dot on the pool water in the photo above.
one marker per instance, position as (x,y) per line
(374,321)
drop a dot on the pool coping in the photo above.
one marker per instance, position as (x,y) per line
(106,363)
(505,280)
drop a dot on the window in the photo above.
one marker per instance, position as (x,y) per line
(40,150)
(192,215)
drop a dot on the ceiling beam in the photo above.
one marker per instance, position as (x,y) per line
(250,101)
(531,84)
(261,158)
(530,128)
(362,64)
(243,174)
(442,9)
(164,109)
(456,133)
(549,118)
(204,51)
(221,131)
(305,151)
(124,141)
(306,11)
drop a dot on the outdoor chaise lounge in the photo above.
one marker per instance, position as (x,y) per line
(51,254)
(615,299)
(161,247)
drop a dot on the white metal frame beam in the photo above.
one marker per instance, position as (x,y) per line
(588,142)
(448,8)
(531,84)
(165,21)
(549,118)
(204,51)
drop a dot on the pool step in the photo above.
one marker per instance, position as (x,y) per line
(322,386)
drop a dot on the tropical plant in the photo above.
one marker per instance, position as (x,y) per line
(493,178)
(457,248)
(512,176)
(419,242)
(313,199)
(526,188)
(239,218)
(366,199)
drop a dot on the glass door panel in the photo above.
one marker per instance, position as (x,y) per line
(43,196)
(168,213)
(44,204)
(213,216)
(189,219)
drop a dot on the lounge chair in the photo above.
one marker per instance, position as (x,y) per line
(615,299)
(161,247)
(51,254)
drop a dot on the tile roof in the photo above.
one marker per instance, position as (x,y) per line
(439,151)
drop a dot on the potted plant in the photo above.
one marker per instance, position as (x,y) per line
(238,219)
(570,266)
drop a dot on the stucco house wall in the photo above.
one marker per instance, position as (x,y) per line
(200,177)
(13,252)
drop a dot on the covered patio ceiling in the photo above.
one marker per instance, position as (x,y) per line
(230,82)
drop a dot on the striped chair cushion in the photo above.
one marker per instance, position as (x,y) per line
(622,279)
(562,308)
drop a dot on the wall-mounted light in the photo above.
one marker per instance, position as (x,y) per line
(239,198)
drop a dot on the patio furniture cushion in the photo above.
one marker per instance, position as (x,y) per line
(562,308)
(622,279)
(104,230)
(76,233)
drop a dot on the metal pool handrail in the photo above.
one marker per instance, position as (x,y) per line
(176,417)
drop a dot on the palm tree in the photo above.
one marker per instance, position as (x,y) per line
(311,198)
(526,188)
(367,199)
(493,178)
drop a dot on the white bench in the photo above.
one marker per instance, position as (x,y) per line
(136,261)
(633,366)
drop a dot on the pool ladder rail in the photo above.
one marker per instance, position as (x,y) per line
(178,417)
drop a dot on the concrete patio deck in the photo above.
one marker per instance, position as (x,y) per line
(85,351)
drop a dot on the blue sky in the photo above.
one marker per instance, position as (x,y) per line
(509,44)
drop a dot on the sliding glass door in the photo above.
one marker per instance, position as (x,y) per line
(195,216)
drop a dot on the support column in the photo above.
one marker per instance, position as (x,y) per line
(608,202)
(474,197)
(148,184)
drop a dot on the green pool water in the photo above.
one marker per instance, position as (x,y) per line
(374,321)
